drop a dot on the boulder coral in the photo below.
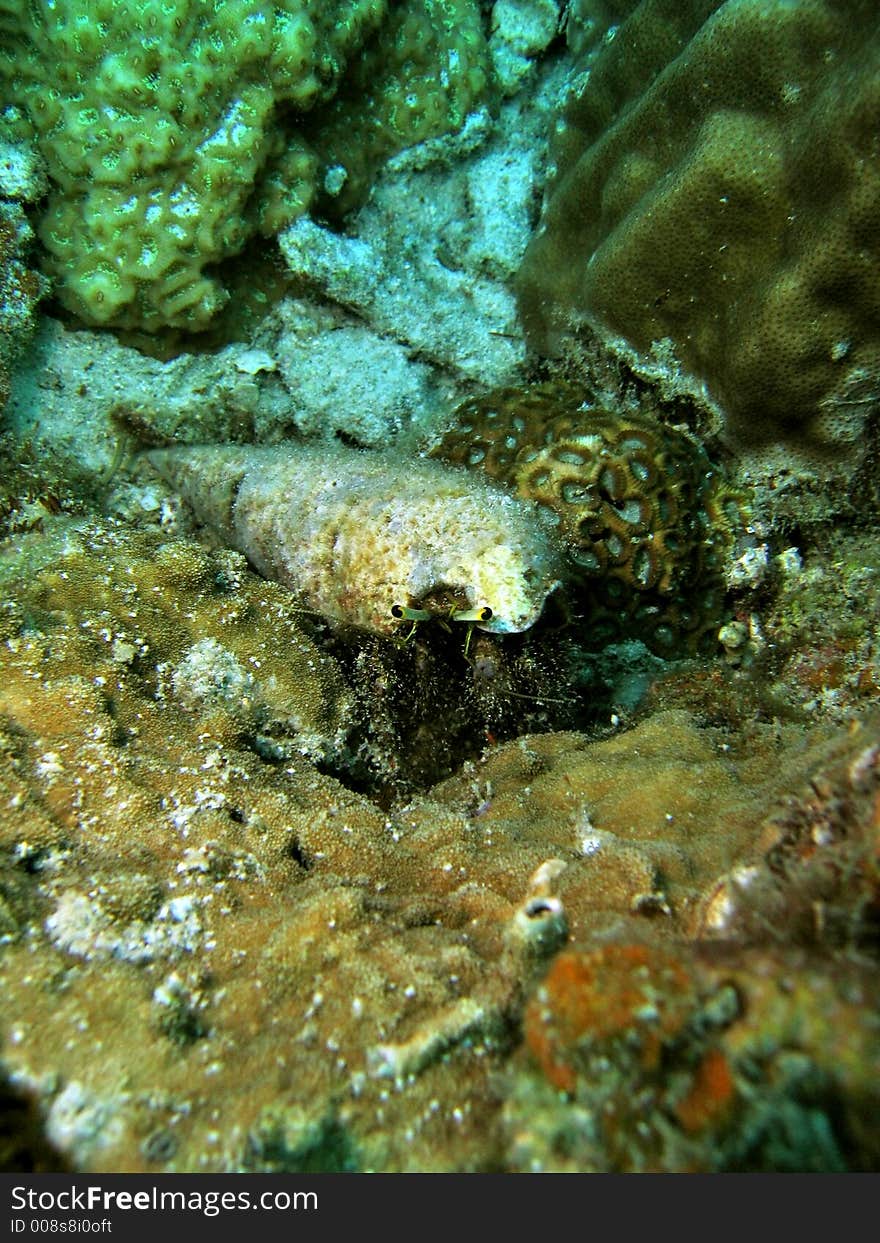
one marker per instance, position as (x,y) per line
(715,183)
(168,151)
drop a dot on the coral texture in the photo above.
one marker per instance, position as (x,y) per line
(521,30)
(363,539)
(420,81)
(659,1066)
(716,182)
(645,516)
(168,151)
(278,894)
(622,1025)
(21,181)
(280,975)
(199,630)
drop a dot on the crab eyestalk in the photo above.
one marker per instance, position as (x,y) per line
(402,612)
(481,614)
(471,616)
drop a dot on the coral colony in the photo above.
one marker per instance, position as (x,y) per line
(439,640)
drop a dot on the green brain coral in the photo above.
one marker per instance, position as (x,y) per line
(646,520)
(716,182)
(174,130)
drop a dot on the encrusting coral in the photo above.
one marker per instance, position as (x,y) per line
(282,976)
(167,151)
(369,541)
(715,183)
(647,520)
(206,635)
(749,1045)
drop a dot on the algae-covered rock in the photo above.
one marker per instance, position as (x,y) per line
(767,1065)
(132,614)
(21,181)
(715,183)
(281,975)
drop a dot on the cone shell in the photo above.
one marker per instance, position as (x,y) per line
(355,534)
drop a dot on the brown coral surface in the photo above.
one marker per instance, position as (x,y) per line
(715,183)
(217,957)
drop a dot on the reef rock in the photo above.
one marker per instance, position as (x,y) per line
(21,181)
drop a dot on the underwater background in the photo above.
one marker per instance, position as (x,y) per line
(439,585)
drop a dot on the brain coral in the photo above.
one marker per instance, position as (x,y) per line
(645,516)
(168,150)
(716,182)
